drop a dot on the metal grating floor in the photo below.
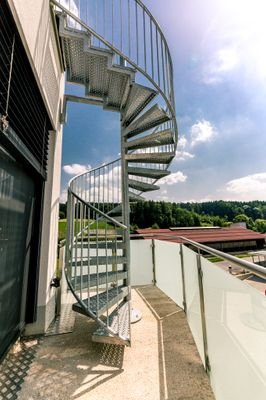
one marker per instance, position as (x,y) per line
(64,323)
(15,367)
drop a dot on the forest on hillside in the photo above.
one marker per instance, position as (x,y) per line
(161,214)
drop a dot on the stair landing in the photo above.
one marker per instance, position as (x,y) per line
(162,363)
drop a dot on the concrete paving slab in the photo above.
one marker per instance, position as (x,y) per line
(162,363)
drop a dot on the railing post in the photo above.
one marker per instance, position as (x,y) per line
(153,262)
(125,206)
(183,278)
(202,313)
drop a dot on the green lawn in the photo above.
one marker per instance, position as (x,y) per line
(62,227)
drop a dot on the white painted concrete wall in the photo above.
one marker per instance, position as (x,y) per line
(36,27)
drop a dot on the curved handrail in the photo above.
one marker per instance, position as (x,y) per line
(72,180)
(106,216)
(256,269)
(165,88)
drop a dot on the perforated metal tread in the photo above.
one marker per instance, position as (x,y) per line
(142,186)
(148,120)
(119,323)
(100,302)
(92,280)
(155,139)
(153,158)
(138,99)
(101,260)
(135,197)
(100,245)
(148,172)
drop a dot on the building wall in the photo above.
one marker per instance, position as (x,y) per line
(37,30)
(36,26)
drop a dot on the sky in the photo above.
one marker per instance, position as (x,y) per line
(218,49)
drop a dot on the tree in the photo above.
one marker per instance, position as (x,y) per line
(260,225)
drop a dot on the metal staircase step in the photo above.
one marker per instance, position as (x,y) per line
(135,197)
(92,280)
(139,97)
(100,260)
(103,301)
(148,172)
(116,211)
(100,245)
(142,186)
(151,118)
(118,321)
(118,84)
(153,158)
(155,139)
(119,218)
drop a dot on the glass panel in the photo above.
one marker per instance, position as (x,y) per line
(168,270)
(236,332)
(192,298)
(16,203)
(141,262)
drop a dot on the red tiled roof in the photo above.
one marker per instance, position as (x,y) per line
(202,235)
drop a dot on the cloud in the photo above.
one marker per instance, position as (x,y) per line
(250,187)
(63,196)
(220,64)
(75,169)
(201,132)
(174,178)
(183,155)
(182,142)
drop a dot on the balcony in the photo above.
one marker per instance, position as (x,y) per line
(215,349)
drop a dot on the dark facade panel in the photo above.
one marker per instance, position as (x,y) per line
(20,100)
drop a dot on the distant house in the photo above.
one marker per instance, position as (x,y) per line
(224,239)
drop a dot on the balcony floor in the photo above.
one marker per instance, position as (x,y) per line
(163,362)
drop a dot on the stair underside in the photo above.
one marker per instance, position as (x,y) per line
(138,99)
(94,69)
(119,323)
(100,301)
(142,186)
(155,139)
(135,197)
(100,245)
(156,158)
(93,280)
(153,117)
(100,260)
(148,172)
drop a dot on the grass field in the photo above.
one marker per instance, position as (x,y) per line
(62,227)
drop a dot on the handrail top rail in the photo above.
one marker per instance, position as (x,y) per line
(261,271)
(91,170)
(124,56)
(106,216)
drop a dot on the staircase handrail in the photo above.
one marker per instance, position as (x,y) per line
(106,216)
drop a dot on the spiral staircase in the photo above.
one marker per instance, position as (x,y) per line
(117,51)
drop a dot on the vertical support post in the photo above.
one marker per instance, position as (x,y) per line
(183,278)
(125,205)
(203,316)
(153,262)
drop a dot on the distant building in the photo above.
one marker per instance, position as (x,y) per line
(224,239)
